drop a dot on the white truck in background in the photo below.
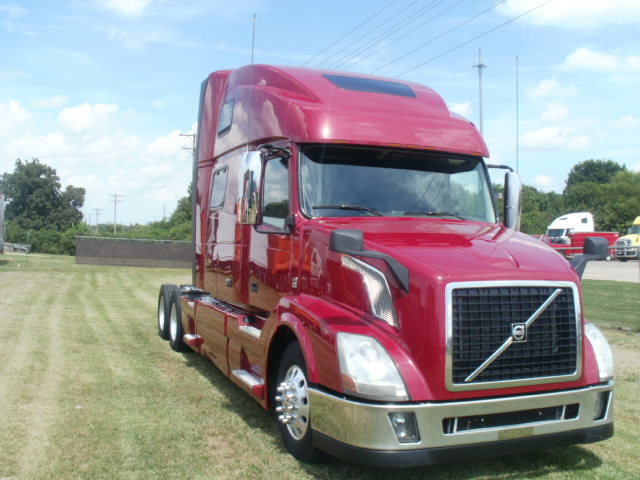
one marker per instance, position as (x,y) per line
(558,231)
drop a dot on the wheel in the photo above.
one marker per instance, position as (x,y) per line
(291,401)
(163,309)
(174,316)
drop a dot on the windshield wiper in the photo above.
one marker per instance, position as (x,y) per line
(436,214)
(349,207)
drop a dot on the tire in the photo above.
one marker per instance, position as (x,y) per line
(163,309)
(291,398)
(174,320)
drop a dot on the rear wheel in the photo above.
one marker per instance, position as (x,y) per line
(174,319)
(163,310)
(293,410)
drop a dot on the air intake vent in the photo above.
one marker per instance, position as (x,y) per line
(508,335)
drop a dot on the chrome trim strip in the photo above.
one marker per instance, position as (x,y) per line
(381,303)
(451,386)
(250,330)
(247,378)
(367,425)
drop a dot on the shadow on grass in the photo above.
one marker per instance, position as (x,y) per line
(571,460)
(4,262)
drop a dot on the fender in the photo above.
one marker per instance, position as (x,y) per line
(316,323)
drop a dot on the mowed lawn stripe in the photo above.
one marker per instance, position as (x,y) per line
(32,375)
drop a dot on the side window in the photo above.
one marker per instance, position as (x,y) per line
(226,117)
(276,192)
(218,188)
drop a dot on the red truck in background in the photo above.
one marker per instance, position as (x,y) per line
(567,233)
(575,245)
(352,275)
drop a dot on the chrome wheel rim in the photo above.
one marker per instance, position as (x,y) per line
(293,402)
(173,323)
(161,314)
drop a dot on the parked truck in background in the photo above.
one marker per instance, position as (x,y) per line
(628,246)
(567,233)
(352,275)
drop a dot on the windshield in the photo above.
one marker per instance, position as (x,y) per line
(555,232)
(635,229)
(340,181)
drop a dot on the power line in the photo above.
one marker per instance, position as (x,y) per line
(422,24)
(438,37)
(365,34)
(351,31)
(511,20)
(412,17)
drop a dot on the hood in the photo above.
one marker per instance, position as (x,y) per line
(453,251)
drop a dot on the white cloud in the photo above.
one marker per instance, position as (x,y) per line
(575,14)
(627,121)
(12,116)
(126,8)
(463,108)
(555,112)
(86,116)
(550,87)
(13,74)
(586,59)
(544,182)
(12,11)
(55,101)
(169,145)
(553,138)
(39,146)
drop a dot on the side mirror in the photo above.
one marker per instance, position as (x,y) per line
(249,208)
(595,248)
(512,200)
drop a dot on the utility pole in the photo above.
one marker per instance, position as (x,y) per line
(193,142)
(115,203)
(480,66)
(97,210)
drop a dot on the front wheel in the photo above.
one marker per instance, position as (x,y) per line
(292,405)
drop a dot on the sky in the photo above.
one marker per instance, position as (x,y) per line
(106,91)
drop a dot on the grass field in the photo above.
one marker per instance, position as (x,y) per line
(613,304)
(89,391)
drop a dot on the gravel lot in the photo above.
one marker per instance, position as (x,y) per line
(615,270)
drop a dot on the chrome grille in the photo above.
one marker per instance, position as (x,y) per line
(486,346)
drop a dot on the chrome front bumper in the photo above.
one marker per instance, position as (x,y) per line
(367,426)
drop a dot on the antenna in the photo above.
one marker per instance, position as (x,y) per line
(253,38)
(517,115)
(480,66)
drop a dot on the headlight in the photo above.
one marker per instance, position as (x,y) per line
(377,289)
(367,369)
(601,348)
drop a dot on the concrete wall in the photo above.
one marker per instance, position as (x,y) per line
(130,252)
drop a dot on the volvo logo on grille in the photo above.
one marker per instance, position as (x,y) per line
(519,332)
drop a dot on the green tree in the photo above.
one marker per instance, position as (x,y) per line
(593,171)
(539,209)
(36,200)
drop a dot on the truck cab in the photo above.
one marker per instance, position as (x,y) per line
(559,230)
(628,246)
(353,275)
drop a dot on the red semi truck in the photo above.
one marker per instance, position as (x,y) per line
(352,275)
